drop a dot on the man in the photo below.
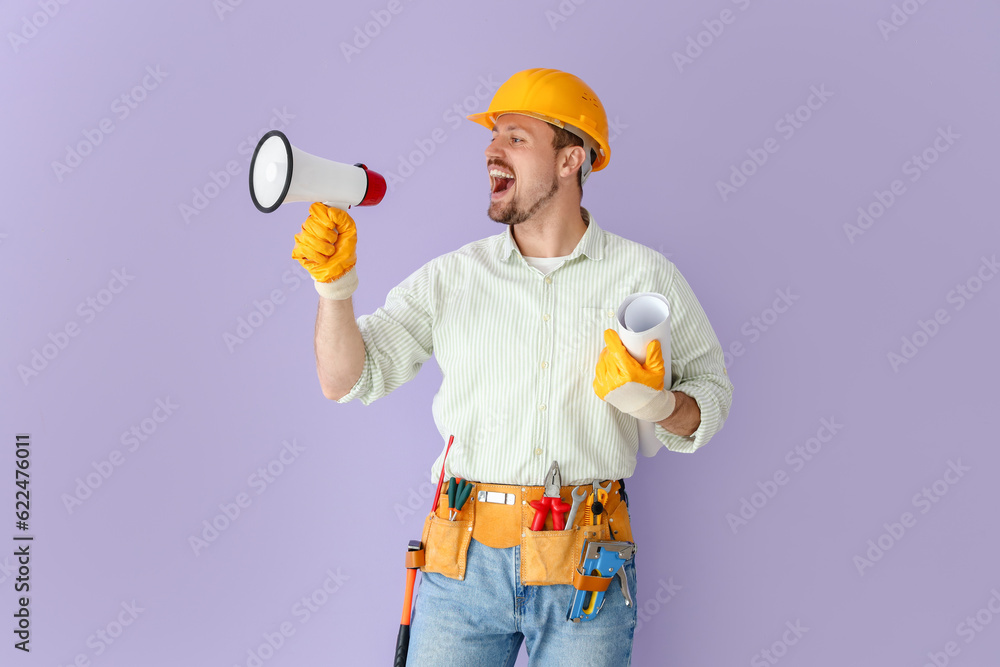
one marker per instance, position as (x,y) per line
(516,322)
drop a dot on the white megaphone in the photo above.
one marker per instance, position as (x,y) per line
(281,173)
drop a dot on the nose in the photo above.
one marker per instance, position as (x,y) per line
(492,150)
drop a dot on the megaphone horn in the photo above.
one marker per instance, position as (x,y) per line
(281,173)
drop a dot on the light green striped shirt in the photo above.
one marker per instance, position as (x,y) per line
(517,350)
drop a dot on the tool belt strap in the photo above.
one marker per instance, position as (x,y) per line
(414,559)
(584,582)
(501,525)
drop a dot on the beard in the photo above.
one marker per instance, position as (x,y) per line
(512,213)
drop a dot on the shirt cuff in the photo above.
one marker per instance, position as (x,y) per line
(362,386)
(687,444)
(674,442)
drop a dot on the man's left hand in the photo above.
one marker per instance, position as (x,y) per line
(633,388)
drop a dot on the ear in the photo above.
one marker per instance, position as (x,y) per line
(569,160)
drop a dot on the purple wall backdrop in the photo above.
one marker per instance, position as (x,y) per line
(821,172)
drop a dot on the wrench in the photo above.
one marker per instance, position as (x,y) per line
(577,501)
(597,500)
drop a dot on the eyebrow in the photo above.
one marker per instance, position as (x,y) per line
(509,128)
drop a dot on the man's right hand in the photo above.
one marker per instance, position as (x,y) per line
(326,248)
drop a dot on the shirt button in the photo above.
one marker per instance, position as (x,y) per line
(541,407)
(548,279)
(538,451)
(611,313)
(546,317)
(545,364)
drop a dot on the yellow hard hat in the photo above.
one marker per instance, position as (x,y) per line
(558,98)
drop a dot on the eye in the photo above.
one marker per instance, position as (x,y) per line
(515,139)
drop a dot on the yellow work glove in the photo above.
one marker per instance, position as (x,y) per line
(634,388)
(326,249)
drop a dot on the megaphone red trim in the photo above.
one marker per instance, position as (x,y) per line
(376,187)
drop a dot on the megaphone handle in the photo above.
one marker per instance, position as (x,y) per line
(337,204)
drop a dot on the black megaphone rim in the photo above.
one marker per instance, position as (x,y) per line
(288,179)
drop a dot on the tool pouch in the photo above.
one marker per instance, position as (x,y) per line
(446,543)
(551,556)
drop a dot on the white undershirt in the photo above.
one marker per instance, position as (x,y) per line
(546,264)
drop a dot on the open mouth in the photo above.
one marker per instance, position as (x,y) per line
(500,182)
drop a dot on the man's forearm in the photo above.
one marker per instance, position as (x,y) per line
(685,418)
(340,350)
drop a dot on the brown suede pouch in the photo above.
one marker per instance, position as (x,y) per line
(551,556)
(620,523)
(446,543)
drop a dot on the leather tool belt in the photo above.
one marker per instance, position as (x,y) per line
(547,556)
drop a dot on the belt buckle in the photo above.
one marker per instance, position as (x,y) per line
(495,497)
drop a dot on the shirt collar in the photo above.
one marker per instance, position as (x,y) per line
(591,243)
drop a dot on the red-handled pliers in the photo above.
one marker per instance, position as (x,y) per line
(551,501)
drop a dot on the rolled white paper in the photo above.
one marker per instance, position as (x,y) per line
(643,317)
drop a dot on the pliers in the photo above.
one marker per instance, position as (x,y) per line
(551,501)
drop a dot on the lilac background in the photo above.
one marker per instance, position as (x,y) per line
(709,594)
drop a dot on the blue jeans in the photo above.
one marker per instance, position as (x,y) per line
(482,620)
